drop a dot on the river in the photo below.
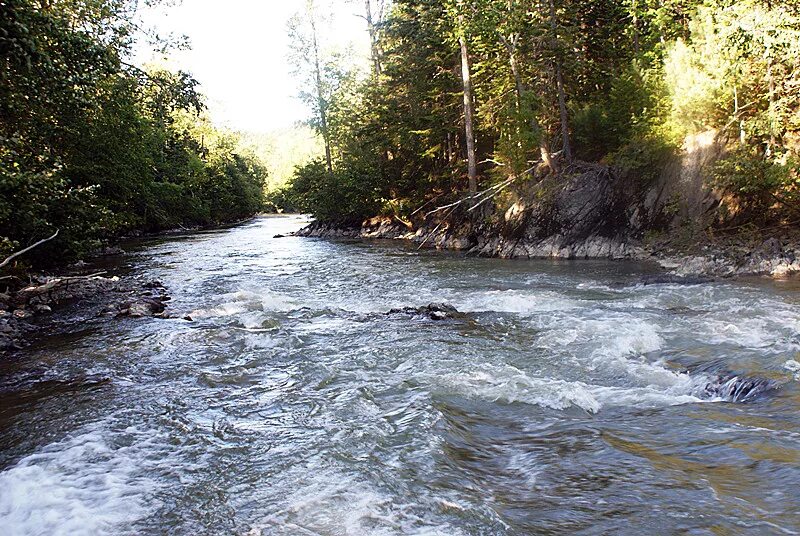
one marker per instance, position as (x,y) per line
(572,399)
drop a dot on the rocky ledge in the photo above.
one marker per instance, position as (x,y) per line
(597,211)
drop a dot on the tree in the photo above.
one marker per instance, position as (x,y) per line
(469,125)
(314,69)
(93,147)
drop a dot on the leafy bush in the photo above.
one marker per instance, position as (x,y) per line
(765,189)
(347,195)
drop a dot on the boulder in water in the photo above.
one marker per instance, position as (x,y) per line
(433,311)
(734,388)
(141,307)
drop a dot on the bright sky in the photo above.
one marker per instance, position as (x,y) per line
(239,55)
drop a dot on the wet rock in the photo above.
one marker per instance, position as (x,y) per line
(681,310)
(42,309)
(433,311)
(141,307)
(734,388)
(771,247)
(23,314)
(329,230)
(109,251)
(279,236)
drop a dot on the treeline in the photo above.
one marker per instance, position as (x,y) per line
(94,147)
(464,93)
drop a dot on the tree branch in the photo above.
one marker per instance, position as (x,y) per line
(27,249)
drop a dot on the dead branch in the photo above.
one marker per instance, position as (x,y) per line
(27,249)
(502,185)
(406,224)
(425,205)
(484,195)
(28,293)
(435,229)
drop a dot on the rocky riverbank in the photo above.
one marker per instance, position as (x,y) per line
(50,302)
(733,256)
(675,218)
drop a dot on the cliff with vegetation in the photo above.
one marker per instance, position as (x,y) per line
(563,127)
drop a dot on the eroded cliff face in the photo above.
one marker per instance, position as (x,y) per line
(682,188)
(593,211)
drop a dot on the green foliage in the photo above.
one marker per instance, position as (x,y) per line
(637,79)
(345,196)
(94,148)
(764,188)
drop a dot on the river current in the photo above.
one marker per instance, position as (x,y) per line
(571,399)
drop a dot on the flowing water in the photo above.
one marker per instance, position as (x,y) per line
(570,400)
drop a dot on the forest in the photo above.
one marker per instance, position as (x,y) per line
(462,95)
(93,147)
(457,96)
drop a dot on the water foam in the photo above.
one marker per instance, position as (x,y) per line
(79,486)
(325,501)
(509,384)
(517,301)
(247,301)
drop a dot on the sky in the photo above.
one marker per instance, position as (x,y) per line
(239,52)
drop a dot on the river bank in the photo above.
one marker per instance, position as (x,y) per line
(84,292)
(53,303)
(752,254)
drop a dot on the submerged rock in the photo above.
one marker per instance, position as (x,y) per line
(670,279)
(141,307)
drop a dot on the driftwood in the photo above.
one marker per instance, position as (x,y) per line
(435,229)
(27,294)
(27,249)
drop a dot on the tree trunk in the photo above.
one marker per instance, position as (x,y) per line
(472,168)
(635,15)
(736,116)
(771,114)
(321,102)
(562,110)
(373,39)
(562,98)
(519,85)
